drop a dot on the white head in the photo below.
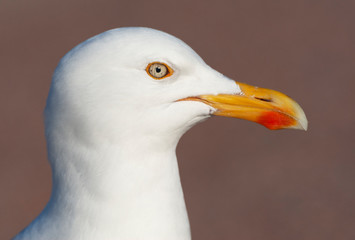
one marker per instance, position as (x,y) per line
(102,92)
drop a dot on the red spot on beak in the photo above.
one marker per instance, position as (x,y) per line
(276,120)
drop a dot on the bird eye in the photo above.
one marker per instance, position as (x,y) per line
(159,70)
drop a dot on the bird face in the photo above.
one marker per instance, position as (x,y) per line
(143,82)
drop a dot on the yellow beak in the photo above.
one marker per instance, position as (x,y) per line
(270,108)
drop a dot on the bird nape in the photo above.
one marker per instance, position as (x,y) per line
(117,107)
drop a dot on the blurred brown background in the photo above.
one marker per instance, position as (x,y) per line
(241,181)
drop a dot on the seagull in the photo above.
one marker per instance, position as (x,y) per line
(118,104)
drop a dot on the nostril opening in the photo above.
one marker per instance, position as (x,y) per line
(263,99)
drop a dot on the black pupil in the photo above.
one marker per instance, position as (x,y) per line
(158,69)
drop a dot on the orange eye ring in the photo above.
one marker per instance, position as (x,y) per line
(159,70)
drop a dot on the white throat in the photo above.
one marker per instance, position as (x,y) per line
(133,193)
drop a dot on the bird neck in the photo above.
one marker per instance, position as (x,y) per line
(126,191)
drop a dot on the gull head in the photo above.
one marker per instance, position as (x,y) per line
(144,83)
(117,107)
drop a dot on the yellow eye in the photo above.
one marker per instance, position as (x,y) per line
(159,70)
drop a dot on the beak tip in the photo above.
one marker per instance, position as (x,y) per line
(301,126)
(301,119)
(303,123)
